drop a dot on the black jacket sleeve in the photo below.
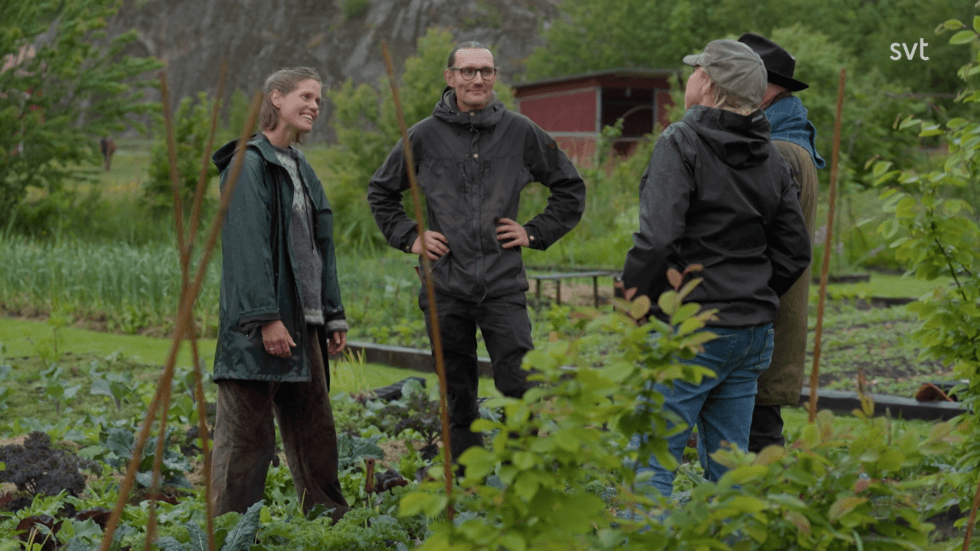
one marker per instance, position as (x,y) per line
(665,195)
(550,166)
(788,240)
(385,197)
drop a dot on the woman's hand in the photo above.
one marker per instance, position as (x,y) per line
(276,339)
(336,342)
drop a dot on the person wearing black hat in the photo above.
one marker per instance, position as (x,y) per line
(794,137)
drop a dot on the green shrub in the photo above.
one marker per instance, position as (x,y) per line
(605,234)
(69,85)
(557,473)
(191,125)
(944,240)
(237,117)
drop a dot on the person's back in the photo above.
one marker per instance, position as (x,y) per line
(717,194)
(738,197)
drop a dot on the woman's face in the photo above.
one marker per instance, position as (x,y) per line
(299,108)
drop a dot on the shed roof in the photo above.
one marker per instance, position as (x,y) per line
(621,73)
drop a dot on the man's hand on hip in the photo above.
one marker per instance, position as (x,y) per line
(276,339)
(436,245)
(513,233)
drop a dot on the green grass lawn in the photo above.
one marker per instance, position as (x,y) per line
(79,351)
(886,285)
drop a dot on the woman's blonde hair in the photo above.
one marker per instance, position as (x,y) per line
(284,81)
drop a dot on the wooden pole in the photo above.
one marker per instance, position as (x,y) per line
(972,521)
(828,244)
(427,279)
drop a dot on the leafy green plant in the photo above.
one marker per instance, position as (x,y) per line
(834,488)
(551,452)
(118,387)
(944,240)
(237,117)
(118,447)
(611,213)
(55,388)
(558,473)
(415,411)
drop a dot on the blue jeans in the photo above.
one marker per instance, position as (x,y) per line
(721,406)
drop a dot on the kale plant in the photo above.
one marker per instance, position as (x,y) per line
(38,469)
(415,410)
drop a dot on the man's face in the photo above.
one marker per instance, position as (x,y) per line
(475,93)
(698,90)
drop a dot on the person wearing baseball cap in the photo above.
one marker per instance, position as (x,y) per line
(716,193)
(794,137)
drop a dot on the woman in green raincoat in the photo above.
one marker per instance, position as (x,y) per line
(281,312)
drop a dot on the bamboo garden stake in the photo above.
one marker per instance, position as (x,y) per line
(427,273)
(183,326)
(815,374)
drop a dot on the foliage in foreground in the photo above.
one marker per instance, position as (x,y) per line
(558,473)
(944,240)
(67,86)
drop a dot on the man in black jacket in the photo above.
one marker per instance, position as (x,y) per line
(473,157)
(717,194)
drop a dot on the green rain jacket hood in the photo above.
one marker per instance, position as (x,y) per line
(258,275)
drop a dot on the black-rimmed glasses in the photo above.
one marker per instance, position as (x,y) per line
(470,72)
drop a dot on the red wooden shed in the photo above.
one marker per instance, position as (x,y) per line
(574,109)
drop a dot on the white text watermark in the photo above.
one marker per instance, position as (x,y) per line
(909,54)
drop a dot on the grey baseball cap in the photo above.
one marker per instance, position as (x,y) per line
(737,70)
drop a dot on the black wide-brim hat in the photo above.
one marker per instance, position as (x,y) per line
(780,65)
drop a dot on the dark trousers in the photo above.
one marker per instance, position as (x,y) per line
(766,429)
(245,440)
(506,329)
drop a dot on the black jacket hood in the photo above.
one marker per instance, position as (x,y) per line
(740,141)
(717,194)
(481,119)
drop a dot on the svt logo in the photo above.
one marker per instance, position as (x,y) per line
(909,54)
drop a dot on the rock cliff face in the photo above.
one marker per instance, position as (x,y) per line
(341,38)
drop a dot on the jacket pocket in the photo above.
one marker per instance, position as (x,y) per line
(441,262)
(438,269)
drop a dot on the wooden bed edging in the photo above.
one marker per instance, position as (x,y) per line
(836,400)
